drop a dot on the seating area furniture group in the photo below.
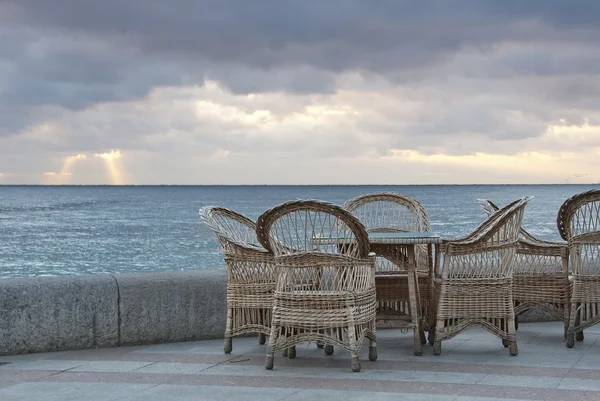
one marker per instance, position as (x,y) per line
(312,271)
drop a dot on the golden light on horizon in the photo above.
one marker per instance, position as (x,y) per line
(113,166)
(545,164)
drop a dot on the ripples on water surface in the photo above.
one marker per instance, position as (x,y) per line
(77,230)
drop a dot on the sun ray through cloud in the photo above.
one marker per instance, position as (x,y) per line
(113,165)
(63,177)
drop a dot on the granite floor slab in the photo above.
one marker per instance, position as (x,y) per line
(473,366)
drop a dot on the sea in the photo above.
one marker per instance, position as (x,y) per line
(63,230)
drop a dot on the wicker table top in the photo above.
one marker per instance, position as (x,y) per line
(404,238)
(389,238)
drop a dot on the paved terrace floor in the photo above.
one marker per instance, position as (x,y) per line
(473,366)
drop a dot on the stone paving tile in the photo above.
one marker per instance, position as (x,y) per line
(108,366)
(73,391)
(174,368)
(469,398)
(577,373)
(42,364)
(521,381)
(340,395)
(209,393)
(580,384)
(240,346)
(590,360)
(7,384)
(346,373)
(32,357)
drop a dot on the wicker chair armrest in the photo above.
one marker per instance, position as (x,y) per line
(466,248)
(236,249)
(543,248)
(586,238)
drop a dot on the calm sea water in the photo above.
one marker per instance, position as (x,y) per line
(97,229)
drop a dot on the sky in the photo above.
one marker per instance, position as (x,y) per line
(299,91)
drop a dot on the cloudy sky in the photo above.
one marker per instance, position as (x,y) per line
(299,91)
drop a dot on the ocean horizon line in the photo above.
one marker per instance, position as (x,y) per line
(286,185)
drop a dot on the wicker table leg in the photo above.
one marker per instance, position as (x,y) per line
(415,308)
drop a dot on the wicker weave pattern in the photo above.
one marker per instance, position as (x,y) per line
(386,211)
(579,214)
(475,286)
(250,273)
(325,288)
(579,223)
(541,277)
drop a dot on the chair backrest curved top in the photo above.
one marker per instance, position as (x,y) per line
(312,226)
(232,226)
(490,208)
(580,214)
(498,229)
(384,211)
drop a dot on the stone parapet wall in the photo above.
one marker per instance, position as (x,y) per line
(42,314)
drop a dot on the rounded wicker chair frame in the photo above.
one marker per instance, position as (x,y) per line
(578,222)
(325,288)
(250,274)
(541,274)
(475,285)
(384,212)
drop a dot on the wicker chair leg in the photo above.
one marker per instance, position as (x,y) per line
(228,345)
(262,338)
(437,347)
(292,352)
(269,361)
(328,349)
(570,340)
(284,353)
(320,344)
(355,363)
(513,349)
(417,345)
(505,342)
(372,350)
(516,322)
(422,336)
(565,331)
(431,336)
(579,336)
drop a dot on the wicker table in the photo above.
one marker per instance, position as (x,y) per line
(399,248)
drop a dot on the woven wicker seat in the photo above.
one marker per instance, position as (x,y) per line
(579,224)
(250,274)
(541,274)
(325,288)
(384,212)
(475,285)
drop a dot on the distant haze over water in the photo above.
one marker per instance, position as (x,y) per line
(103,229)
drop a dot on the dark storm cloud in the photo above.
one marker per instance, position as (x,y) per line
(77,53)
(333,34)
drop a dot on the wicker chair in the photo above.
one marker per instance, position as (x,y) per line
(383,212)
(541,274)
(250,274)
(325,288)
(579,223)
(475,285)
